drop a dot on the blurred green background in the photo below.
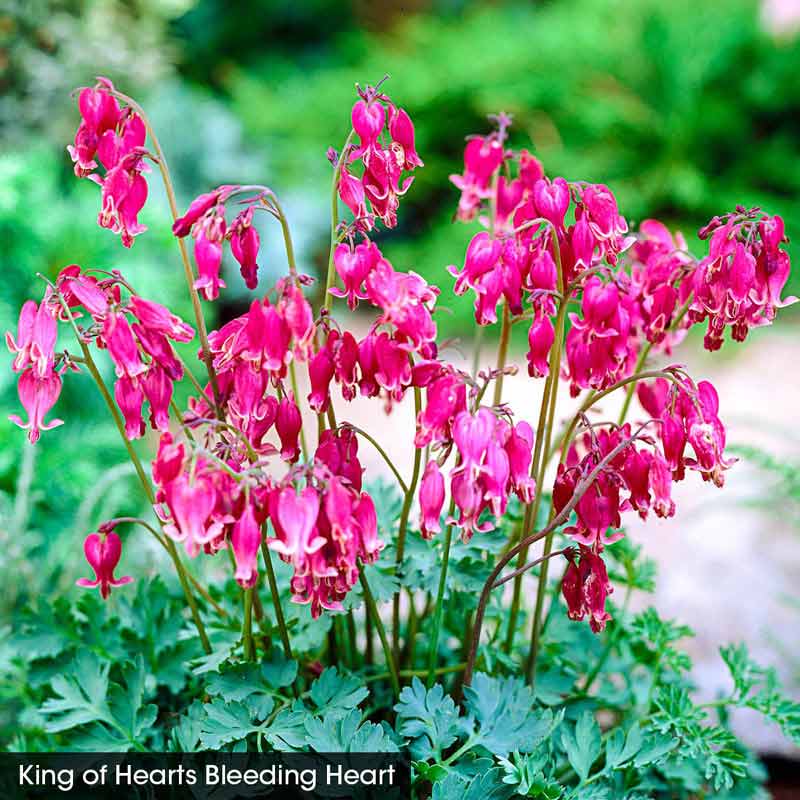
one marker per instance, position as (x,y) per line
(683,108)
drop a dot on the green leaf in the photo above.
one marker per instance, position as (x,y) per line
(335,733)
(278,672)
(336,693)
(527,773)
(503,707)
(186,734)
(716,748)
(583,744)
(287,731)
(213,661)
(225,723)
(654,750)
(81,695)
(488,786)
(429,718)
(620,749)
(235,682)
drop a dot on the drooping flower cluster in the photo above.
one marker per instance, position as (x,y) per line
(657,284)
(112,137)
(383,361)
(689,415)
(205,221)
(251,354)
(493,458)
(636,478)
(585,587)
(326,527)
(739,284)
(376,194)
(531,253)
(137,335)
(599,346)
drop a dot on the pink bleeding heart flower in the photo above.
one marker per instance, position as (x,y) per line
(552,200)
(158,318)
(103,552)
(541,336)
(191,503)
(124,193)
(157,386)
(321,370)
(431,500)
(129,395)
(119,340)
(353,265)
(246,542)
(199,207)
(36,339)
(472,434)
(585,588)
(209,234)
(288,423)
(294,518)
(38,396)
(401,129)
(519,448)
(298,317)
(368,118)
(352,194)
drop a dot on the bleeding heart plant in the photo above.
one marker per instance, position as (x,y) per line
(239,469)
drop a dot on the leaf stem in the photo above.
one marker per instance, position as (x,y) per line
(403,528)
(247,626)
(438,611)
(276,599)
(372,609)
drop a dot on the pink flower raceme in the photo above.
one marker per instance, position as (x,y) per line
(103,552)
(376,195)
(114,137)
(482,158)
(658,283)
(145,362)
(739,283)
(689,415)
(636,479)
(599,350)
(493,458)
(382,361)
(205,221)
(585,588)
(326,528)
